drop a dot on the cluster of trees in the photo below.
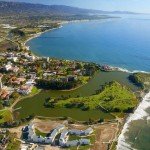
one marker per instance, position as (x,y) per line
(17,32)
(76,104)
(48,103)
(116,109)
(93,121)
(13,144)
(134,78)
(10,123)
(56,85)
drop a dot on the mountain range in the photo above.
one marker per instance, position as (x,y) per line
(29,9)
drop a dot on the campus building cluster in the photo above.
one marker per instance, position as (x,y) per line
(64,134)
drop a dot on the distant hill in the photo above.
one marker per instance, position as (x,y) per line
(28,13)
(17,8)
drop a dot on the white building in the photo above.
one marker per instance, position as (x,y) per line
(14,59)
(63,138)
(84,141)
(30,58)
(55,132)
(1,85)
(38,139)
(47,140)
(72,143)
(30,131)
(88,131)
(30,82)
(8,67)
(75,132)
(53,135)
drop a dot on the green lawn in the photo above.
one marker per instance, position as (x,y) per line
(73,137)
(34,90)
(38,133)
(5,115)
(114,97)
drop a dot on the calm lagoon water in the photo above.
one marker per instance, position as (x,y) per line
(99,79)
(122,42)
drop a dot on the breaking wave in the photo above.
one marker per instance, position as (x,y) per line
(139,113)
(134,71)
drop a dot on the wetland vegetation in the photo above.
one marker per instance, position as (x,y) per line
(92,87)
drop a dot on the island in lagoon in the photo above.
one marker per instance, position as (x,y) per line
(40,93)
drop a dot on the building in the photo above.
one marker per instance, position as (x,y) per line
(72,143)
(26,89)
(84,141)
(75,132)
(25,129)
(30,82)
(63,138)
(14,59)
(60,128)
(53,135)
(30,131)
(55,132)
(45,59)
(88,131)
(8,67)
(10,55)
(47,140)
(14,69)
(30,58)
(38,139)
(1,85)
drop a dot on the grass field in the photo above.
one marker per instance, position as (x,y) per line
(114,97)
(38,133)
(5,116)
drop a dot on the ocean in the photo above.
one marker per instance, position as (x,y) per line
(123,42)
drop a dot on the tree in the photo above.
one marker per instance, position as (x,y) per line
(101,120)
(17,32)
(91,121)
(15,95)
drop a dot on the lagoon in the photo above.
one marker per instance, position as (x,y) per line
(98,80)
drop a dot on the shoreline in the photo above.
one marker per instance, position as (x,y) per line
(59,23)
(132,117)
(78,21)
(35,36)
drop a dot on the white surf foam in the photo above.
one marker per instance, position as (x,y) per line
(134,71)
(139,113)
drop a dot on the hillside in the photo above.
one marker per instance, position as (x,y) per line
(8,8)
(16,12)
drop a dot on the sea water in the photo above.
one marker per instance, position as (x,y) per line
(122,42)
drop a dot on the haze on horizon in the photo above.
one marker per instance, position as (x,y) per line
(140,6)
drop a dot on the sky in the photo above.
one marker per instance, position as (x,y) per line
(142,6)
